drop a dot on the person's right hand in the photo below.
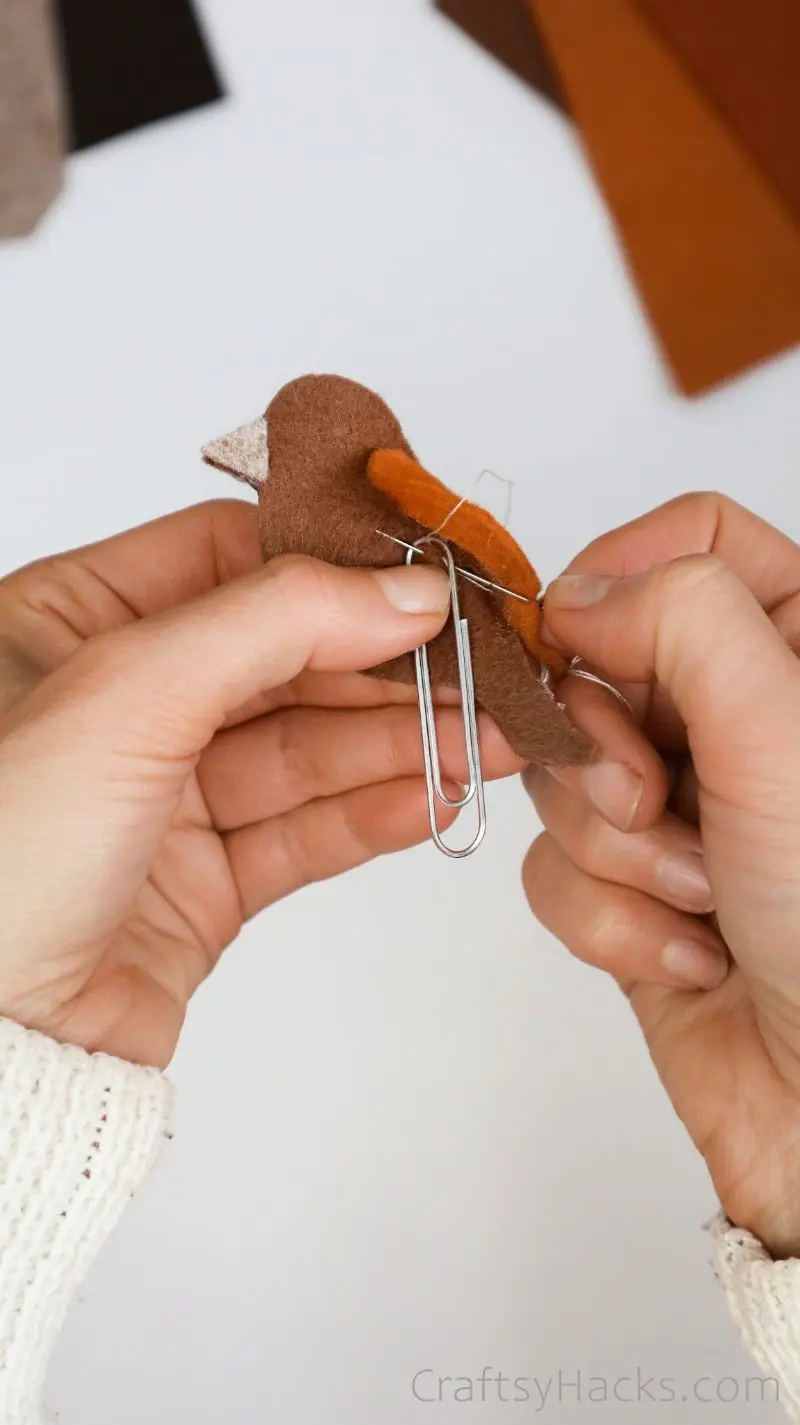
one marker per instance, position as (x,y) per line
(695,612)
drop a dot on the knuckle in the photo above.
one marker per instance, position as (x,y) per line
(593,926)
(359,835)
(604,932)
(100,657)
(295,758)
(403,744)
(682,577)
(691,592)
(295,851)
(599,934)
(593,845)
(20,667)
(706,507)
(305,581)
(538,870)
(100,669)
(306,591)
(56,586)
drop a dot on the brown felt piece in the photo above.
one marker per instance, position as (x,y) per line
(31,115)
(714,249)
(507,30)
(316,499)
(747,53)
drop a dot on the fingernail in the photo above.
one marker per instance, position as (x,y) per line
(415,591)
(615,790)
(578,591)
(684,879)
(696,965)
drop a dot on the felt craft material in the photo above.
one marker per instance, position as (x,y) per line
(315,498)
(429,502)
(508,31)
(747,54)
(131,63)
(31,115)
(714,249)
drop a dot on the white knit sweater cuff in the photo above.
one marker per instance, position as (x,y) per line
(78,1134)
(764,1299)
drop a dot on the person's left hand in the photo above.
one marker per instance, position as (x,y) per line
(183,740)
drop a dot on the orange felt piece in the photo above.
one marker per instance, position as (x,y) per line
(425,499)
(715,250)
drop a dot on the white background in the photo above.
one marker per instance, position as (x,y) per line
(411,1132)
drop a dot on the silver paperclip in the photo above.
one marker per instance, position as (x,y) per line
(468,574)
(430,745)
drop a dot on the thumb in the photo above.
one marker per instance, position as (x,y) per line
(95,759)
(176,677)
(694,628)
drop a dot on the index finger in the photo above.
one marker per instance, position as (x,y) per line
(163,563)
(765,560)
(49,608)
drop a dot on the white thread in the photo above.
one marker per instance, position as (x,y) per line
(447,518)
(509,484)
(465,499)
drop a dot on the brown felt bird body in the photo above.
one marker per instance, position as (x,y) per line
(335,475)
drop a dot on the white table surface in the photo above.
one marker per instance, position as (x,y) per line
(422,1139)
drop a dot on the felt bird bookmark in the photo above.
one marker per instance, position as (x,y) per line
(335,476)
(425,499)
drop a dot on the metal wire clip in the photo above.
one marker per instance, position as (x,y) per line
(430,745)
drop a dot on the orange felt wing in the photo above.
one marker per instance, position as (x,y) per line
(425,499)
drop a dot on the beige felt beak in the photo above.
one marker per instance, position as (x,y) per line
(243,453)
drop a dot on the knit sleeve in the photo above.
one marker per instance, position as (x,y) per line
(78,1135)
(764,1300)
